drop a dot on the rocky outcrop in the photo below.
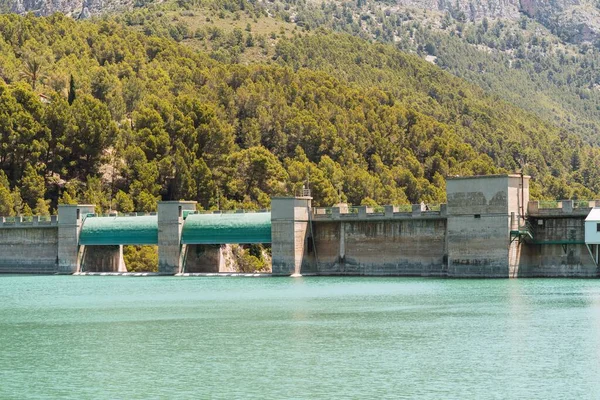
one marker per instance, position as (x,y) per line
(471,9)
(572,20)
(73,8)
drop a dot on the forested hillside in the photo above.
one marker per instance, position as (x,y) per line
(100,113)
(519,59)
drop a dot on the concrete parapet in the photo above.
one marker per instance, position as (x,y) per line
(37,221)
(558,212)
(170,225)
(368,213)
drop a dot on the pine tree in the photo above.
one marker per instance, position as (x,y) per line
(27,211)
(41,207)
(72,94)
(7,203)
(33,186)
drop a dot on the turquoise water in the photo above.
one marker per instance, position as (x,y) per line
(307,338)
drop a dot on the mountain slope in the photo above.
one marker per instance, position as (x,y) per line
(153,119)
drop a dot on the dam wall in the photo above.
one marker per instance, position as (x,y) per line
(487,229)
(28,245)
(363,243)
(557,248)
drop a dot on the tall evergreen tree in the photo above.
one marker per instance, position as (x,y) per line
(72,94)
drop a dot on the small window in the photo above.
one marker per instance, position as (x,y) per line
(78,214)
(477,216)
(180,212)
(598,227)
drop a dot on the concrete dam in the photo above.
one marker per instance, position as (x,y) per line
(487,229)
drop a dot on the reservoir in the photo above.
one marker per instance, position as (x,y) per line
(77,337)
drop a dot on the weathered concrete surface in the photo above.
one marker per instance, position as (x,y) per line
(29,250)
(478,247)
(103,259)
(203,258)
(557,250)
(478,234)
(289,234)
(170,224)
(70,220)
(410,247)
(554,261)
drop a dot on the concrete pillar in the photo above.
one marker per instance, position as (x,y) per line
(389,211)
(335,213)
(342,255)
(567,206)
(170,225)
(417,209)
(444,210)
(289,233)
(70,221)
(533,207)
(362,212)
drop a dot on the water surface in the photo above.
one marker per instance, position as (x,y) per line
(307,338)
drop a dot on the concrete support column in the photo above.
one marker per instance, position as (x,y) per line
(335,213)
(342,258)
(70,221)
(289,232)
(567,206)
(362,212)
(417,209)
(389,211)
(170,225)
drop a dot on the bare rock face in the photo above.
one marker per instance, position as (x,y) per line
(85,14)
(471,9)
(73,8)
(573,20)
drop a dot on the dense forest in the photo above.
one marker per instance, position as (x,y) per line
(101,113)
(521,61)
